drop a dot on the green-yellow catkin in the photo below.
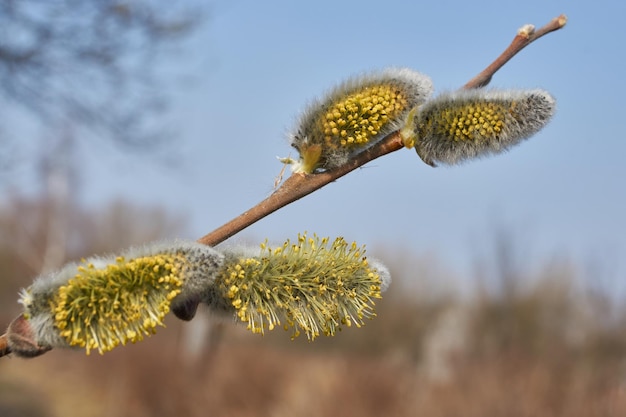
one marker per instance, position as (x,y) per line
(101,303)
(356,115)
(312,285)
(102,307)
(462,125)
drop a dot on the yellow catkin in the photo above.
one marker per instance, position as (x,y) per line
(313,285)
(356,115)
(458,126)
(101,308)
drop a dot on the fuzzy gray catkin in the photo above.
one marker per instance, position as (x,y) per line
(466,124)
(105,301)
(355,115)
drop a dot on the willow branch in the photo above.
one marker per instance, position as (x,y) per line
(300,185)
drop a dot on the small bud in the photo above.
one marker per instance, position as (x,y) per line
(356,115)
(467,124)
(20,339)
(313,285)
(408,131)
(106,301)
(526,30)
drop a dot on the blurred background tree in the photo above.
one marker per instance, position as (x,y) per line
(77,70)
(95,63)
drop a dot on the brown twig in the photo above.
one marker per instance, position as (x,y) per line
(525,35)
(300,185)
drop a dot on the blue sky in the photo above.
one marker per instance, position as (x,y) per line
(255,65)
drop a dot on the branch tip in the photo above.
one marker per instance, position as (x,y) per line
(525,36)
(526,30)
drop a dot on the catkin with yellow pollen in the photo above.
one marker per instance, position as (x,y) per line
(103,302)
(356,115)
(312,285)
(458,126)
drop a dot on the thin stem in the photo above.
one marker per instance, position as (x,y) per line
(298,186)
(525,35)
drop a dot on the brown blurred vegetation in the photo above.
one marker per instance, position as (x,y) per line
(524,344)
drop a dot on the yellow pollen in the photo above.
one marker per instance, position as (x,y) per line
(102,308)
(361,115)
(471,122)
